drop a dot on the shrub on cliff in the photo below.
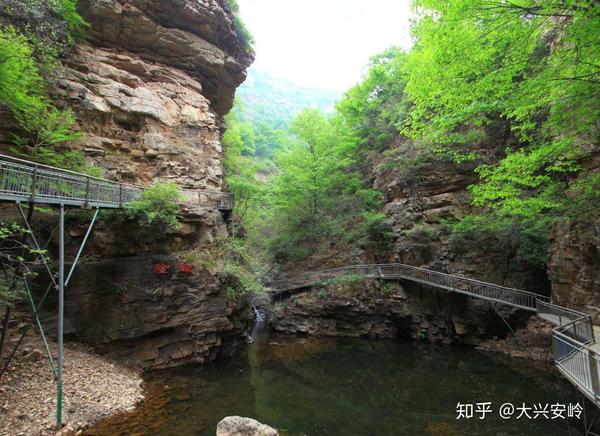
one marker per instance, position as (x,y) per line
(23,93)
(531,63)
(76,24)
(30,48)
(524,240)
(157,206)
(240,28)
(237,267)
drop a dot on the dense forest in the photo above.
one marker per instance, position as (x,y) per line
(526,69)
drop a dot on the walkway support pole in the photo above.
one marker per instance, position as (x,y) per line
(61,314)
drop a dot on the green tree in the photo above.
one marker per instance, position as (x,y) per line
(318,191)
(530,63)
(29,56)
(157,206)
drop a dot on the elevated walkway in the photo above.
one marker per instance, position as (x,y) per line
(576,352)
(30,182)
(22,181)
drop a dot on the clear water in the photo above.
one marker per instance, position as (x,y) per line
(346,387)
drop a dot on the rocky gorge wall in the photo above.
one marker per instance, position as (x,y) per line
(425,193)
(149,87)
(391,309)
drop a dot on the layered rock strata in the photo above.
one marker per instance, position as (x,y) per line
(149,87)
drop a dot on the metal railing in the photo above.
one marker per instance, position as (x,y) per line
(463,285)
(574,324)
(215,199)
(25,181)
(573,338)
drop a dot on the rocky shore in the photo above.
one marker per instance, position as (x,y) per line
(94,388)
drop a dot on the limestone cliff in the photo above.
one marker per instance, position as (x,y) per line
(149,86)
(424,192)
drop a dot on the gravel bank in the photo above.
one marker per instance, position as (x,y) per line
(94,388)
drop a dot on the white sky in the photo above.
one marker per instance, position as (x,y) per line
(323,43)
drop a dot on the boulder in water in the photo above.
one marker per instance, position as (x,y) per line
(239,426)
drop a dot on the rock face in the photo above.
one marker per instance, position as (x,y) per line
(127,311)
(194,36)
(374,309)
(425,192)
(574,266)
(149,87)
(238,426)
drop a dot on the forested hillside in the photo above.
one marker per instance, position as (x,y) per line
(265,98)
(510,90)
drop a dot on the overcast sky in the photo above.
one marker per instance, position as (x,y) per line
(323,43)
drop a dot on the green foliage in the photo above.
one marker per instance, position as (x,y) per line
(389,288)
(25,62)
(22,92)
(373,231)
(237,268)
(78,27)
(522,240)
(529,62)
(348,279)
(19,262)
(317,194)
(242,165)
(376,107)
(240,28)
(157,206)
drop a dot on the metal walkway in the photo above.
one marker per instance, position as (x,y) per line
(22,181)
(30,182)
(576,352)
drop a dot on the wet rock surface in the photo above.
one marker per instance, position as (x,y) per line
(368,308)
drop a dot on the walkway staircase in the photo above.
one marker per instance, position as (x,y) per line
(576,352)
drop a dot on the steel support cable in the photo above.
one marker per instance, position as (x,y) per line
(82,246)
(512,331)
(37,246)
(40,327)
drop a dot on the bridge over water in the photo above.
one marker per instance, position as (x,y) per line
(576,352)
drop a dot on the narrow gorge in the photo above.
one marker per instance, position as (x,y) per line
(237,242)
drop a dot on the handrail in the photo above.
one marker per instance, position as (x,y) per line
(572,338)
(26,181)
(465,285)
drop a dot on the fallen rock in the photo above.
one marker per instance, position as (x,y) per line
(239,426)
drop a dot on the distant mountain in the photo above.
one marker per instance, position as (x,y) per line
(277,101)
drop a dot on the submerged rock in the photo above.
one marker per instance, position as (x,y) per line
(240,426)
